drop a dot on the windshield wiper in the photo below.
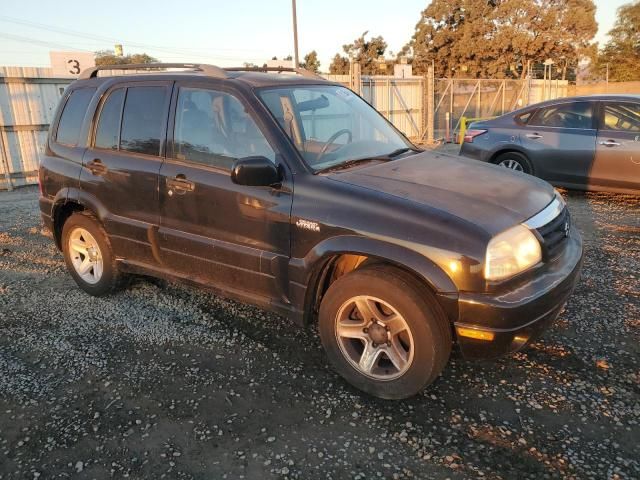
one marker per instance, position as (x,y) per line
(395,153)
(347,164)
(385,158)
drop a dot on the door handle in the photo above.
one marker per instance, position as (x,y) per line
(180,184)
(609,143)
(533,136)
(96,167)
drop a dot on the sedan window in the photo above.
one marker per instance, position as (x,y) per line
(566,115)
(621,116)
(523,118)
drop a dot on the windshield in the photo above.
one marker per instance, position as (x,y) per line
(331,126)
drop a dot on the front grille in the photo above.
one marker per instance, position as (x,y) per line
(555,233)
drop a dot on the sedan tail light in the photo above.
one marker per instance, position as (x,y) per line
(469,135)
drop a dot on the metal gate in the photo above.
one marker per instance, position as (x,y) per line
(457,98)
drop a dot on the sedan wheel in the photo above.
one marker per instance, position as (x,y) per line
(512,164)
(85,255)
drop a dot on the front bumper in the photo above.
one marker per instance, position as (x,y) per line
(517,317)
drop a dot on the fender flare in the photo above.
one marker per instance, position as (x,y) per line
(74,195)
(307,270)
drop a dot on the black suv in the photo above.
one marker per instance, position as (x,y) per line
(292,193)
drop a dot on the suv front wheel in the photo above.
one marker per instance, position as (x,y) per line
(88,255)
(383,332)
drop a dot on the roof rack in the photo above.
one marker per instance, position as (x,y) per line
(209,70)
(300,71)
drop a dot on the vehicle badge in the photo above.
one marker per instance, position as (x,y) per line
(308,225)
(566,229)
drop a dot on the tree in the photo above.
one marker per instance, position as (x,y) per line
(622,51)
(366,52)
(311,61)
(363,51)
(498,38)
(108,57)
(339,65)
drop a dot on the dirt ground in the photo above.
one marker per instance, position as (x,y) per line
(165,381)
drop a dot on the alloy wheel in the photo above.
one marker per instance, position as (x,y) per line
(85,255)
(374,337)
(512,164)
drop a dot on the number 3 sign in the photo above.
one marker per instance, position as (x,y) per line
(70,64)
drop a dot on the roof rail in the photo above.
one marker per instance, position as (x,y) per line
(209,70)
(300,71)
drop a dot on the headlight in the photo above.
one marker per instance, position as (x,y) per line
(511,252)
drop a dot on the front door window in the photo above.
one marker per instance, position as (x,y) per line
(213,128)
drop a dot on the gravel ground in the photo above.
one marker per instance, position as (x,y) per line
(164,381)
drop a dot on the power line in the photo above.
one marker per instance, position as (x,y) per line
(111,40)
(19,38)
(176,55)
(51,45)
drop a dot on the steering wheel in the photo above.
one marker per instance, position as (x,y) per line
(339,133)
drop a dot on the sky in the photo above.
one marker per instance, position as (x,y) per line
(221,32)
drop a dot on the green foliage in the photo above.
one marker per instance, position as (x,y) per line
(366,52)
(311,61)
(497,38)
(339,65)
(622,51)
(363,51)
(108,57)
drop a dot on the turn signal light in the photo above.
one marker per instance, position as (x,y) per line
(474,333)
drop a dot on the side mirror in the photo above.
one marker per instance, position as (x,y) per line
(255,172)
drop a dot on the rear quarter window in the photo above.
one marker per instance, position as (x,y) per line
(523,118)
(70,124)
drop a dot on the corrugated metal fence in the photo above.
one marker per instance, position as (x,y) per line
(28,99)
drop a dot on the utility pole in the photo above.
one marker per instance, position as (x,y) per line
(607,78)
(296,62)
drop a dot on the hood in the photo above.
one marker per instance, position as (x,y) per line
(491,197)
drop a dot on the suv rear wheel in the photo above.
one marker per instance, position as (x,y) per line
(384,333)
(88,255)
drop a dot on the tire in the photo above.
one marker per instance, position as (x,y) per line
(85,231)
(420,348)
(514,161)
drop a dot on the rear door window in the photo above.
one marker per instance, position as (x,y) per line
(70,125)
(566,115)
(621,116)
(108,130)
(143,119)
